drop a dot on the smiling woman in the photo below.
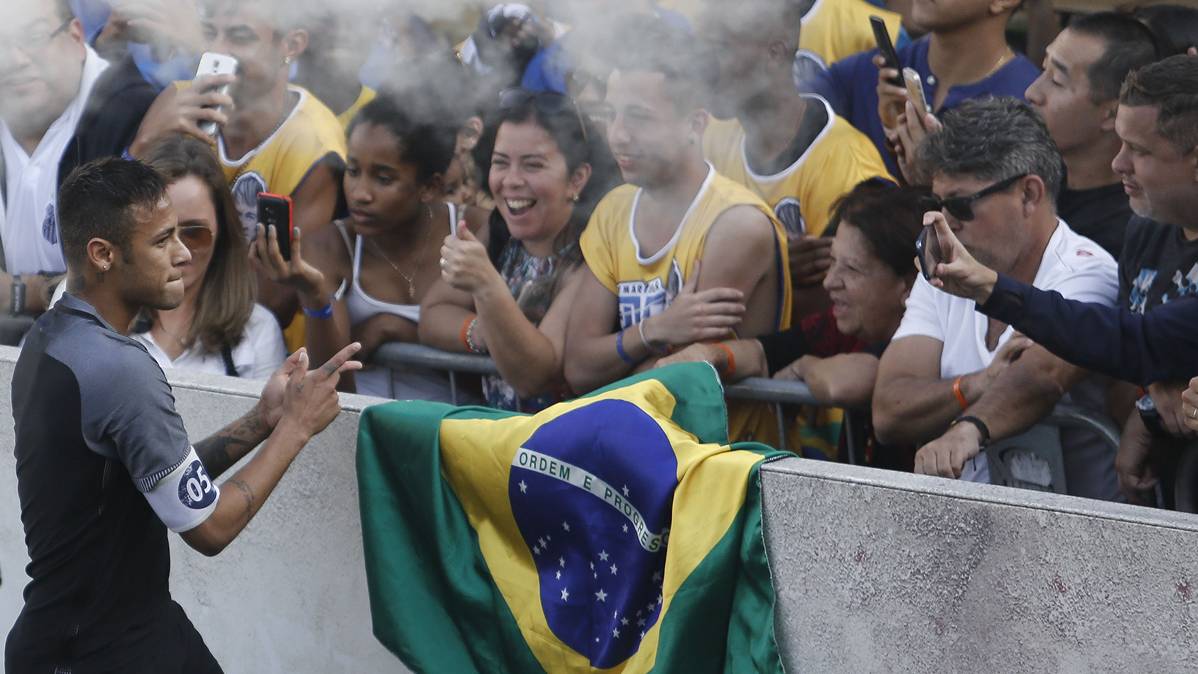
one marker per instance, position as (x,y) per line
(508,290)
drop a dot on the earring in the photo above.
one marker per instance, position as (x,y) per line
(287,60)
(574,198)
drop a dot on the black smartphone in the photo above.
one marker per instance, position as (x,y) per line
(886,48)
(927,249)
(275,209)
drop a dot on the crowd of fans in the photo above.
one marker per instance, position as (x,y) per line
(584,191)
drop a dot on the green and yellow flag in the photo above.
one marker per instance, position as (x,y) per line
(617,532)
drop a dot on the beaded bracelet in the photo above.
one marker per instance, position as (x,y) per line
(470,338)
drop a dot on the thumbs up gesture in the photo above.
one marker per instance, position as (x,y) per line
(465,264)
(696,315)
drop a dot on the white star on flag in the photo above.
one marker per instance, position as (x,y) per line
(623,621)
(541,542)
(625,490)
(640,623)
(615,614)
(603,555)
(523,487)
(562,561)
(615,632)
(642,635)
(566,526)
(614,569)
(565,594)
(601,595)
(625,527)
(559,575)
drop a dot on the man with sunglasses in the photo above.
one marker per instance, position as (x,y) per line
(952,380)
(61,105)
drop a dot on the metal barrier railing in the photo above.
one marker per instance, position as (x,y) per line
(771,391)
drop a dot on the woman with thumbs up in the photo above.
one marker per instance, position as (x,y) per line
(507,290)
(364,277)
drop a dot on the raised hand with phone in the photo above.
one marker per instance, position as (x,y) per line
(199,109)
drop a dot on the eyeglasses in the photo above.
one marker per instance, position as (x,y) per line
(197,238)
(548,102)
(961,208)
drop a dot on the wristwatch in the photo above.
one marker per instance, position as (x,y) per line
(983,429)
(16,305)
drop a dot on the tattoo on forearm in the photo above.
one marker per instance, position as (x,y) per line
(247,492)
(225,448)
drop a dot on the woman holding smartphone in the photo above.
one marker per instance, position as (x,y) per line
(507,290)
(364,277)
(218,328)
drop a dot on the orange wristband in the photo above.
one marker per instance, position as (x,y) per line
(465,332)
(959,395)
(730,368)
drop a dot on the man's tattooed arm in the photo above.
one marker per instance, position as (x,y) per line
(226,447)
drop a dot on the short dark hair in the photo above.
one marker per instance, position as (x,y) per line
(426,144)
(648,44)
(64,9)
(1129,45)
(1171,86)
(889,217)
(1174,27)
(101,199)
(994,138)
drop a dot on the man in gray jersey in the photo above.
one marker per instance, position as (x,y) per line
(104,465)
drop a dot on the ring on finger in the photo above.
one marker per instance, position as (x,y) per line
(1193,413)
(443,263)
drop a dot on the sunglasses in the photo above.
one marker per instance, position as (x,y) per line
(548,102)
(197,238)
(961,208)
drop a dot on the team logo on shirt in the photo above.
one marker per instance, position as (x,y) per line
(196,490)
(50,225)
(790,215)
(245,197)
(639,300)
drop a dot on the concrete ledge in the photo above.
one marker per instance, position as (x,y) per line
(290,594)
(884,572)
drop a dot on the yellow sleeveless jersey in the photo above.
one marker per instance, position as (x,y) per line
(834,29)
(309,135)
(802,196)
(367,95)
(646,285)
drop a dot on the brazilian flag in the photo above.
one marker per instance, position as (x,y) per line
(618,532)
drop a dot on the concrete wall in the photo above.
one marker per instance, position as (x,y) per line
(874,571)
(880,572)
(290,594)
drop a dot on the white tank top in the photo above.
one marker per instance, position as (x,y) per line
(412,383)
(362,306)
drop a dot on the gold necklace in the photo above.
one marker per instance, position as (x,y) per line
(998,64)
(419,260)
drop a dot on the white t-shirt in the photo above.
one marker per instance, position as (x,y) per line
(260,352)
(28,221)
(1073,266)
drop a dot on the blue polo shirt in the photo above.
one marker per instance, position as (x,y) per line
(850,85)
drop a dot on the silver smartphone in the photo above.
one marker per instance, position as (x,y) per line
(212,63)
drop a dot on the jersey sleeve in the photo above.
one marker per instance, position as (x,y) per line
(129,414)
(597,248)
(921,317)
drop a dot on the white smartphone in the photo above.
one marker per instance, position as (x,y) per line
(212,63)
(915,90)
